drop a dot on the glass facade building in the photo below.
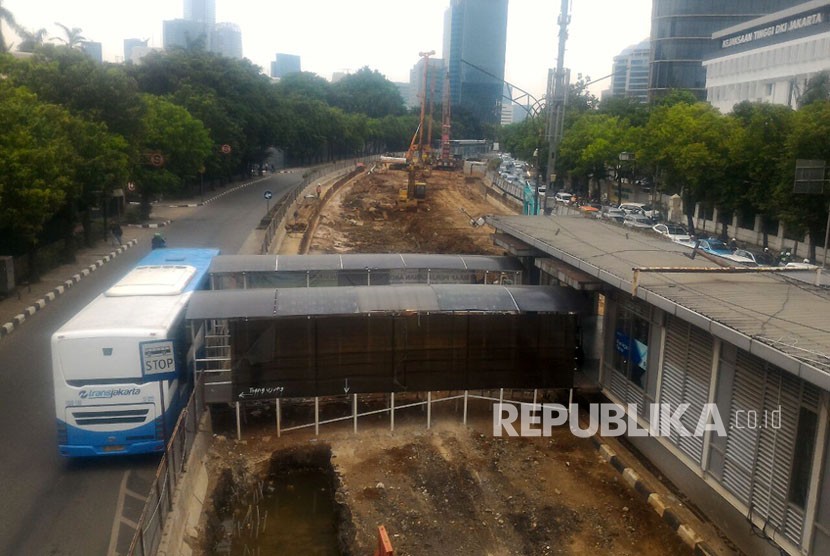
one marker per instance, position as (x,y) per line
(284,64)
(475,36)
(681,37)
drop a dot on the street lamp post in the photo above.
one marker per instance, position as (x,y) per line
(624,157)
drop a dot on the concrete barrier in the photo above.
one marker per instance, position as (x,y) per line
(181,527)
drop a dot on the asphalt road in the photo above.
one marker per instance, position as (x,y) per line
(58,507)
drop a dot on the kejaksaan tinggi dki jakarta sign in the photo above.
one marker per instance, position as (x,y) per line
(785,26)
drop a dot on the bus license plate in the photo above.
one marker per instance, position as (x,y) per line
(113,448)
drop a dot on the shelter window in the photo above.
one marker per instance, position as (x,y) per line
(805,442)
(631,343)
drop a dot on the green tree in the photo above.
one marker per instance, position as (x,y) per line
(367,91)
(73,37)
(38,160)
(591,147)
(304,84)
(241,93)
(759,156)
(99,92)
(173,150)
(687,143)
(101,165)
(817,89)
(809,139)
(31,39)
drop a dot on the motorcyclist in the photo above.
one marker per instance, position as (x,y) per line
(158,241)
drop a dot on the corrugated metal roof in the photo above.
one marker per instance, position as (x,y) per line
(284,302)
(775,316)
(224,264)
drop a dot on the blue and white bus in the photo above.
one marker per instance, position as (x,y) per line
(122,366)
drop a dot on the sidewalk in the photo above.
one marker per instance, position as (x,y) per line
(31,298)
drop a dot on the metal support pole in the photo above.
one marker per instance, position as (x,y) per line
(316,416)
(534,397)
(826,239)
(392,413)
(279,419)
(466,392)
(238,424)
(354,411)
(429,409)
(570,400)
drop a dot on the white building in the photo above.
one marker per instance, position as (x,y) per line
(630,72)
(770,58)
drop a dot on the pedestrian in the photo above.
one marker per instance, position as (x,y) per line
(319,190)
(117,232)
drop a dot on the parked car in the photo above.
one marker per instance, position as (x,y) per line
(628,208)
(674,232)
(638,220)
(714,246)
(762,258)
(613,214)
(563,197)
(642,208)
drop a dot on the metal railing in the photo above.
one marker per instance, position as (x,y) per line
(278,214)
(159,503)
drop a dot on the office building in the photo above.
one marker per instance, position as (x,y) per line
(681,37)
(227,40)
(284,64)
(435,82)
(183,33)
(203,11)
(475,39)
(131,46)
(771,58)
(630,72)
(93,50)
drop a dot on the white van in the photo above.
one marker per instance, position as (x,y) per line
(564,198)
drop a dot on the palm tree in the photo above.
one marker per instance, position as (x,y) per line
(31,40)
(6,15)
(74,38)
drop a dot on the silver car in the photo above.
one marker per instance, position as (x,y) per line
(638,220)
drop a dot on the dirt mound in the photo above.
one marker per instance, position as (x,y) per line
(365,217)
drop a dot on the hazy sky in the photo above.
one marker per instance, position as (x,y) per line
(345,35)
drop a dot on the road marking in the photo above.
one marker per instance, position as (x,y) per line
(118,519)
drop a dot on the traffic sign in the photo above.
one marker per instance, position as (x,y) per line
(226,149)
(267,194)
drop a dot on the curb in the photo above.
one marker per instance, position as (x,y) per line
(18,320)
(653,499)
(156,225)
(210,200)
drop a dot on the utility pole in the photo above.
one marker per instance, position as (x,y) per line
(557,95)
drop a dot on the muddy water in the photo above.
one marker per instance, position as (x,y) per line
(299,518)
(289,510)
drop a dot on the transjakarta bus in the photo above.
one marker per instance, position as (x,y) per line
(122,365)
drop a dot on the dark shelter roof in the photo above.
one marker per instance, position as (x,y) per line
(344,300)
(224,264)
